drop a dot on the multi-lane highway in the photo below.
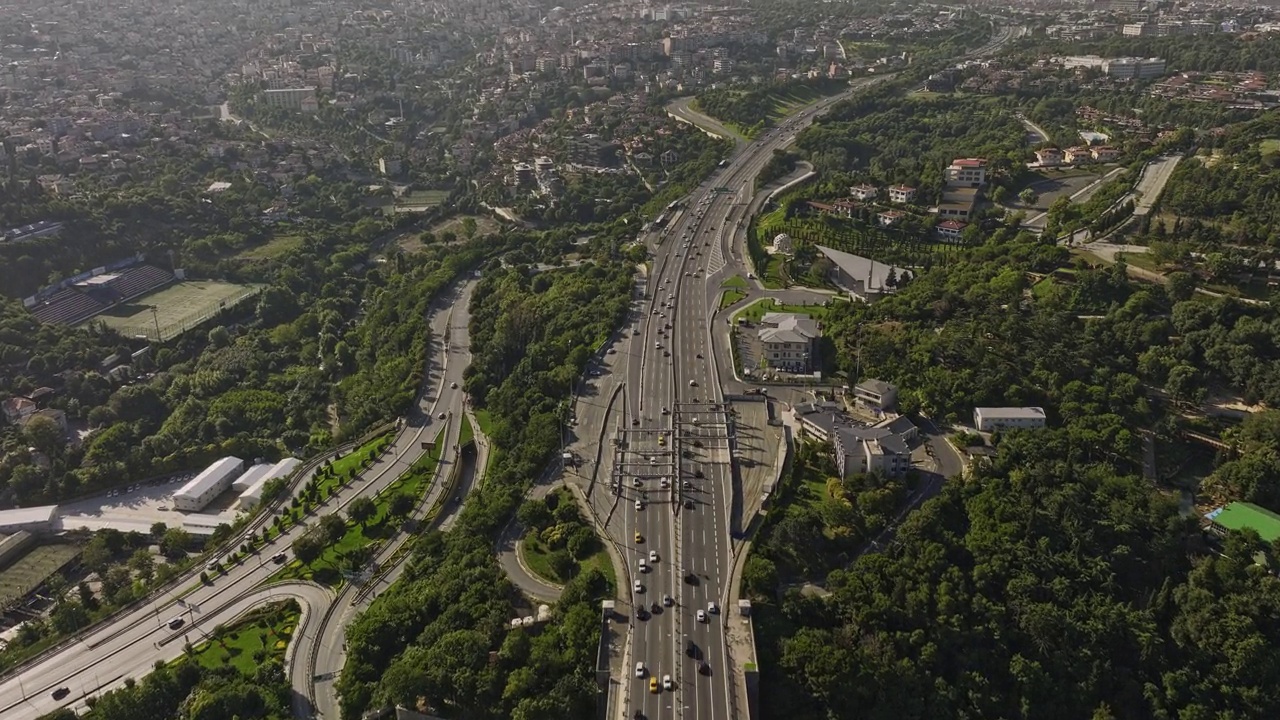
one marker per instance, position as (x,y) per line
(674,471)
(129,645)
(676,475)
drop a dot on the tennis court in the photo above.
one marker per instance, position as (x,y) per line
(175,308)
(29,572)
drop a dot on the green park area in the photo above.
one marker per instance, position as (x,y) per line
(756,311)
(559,544)
(262,634)
(280,244)
(735,290)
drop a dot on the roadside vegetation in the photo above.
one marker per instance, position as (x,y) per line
(336,547)
(237,673)
(559,543)
(428,637)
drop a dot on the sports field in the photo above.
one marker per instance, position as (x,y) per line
(31,570)
(178,307)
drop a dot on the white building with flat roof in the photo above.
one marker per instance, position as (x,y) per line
(35,520)
(250,476)
(203,488)
(252,495)
(991,419)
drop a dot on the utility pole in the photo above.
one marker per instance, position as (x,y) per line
(155,317)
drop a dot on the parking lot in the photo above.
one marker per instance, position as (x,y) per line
(140,506)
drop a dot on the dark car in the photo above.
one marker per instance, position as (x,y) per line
(704,668)
(691,578)
(691,649)
(61,693)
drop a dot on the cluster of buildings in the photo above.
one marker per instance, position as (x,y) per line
(882,446)
(964,179)
(1242,91)
(867,436)
(1049,157)
(1125,68)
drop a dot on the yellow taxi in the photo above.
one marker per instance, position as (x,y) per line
(639,537)
(653,685)
(662,440)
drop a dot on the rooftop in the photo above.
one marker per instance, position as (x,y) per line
(1012,412)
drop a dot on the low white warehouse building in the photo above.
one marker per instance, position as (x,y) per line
(203,488)
(252,495)
(250,476)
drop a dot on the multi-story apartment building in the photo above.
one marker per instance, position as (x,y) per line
(967,172)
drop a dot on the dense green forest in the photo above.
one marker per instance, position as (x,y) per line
(1054,583)
(756,107)
(886,138)
(1051,585)
(425,642)
(256,391)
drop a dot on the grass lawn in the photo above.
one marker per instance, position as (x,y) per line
(736,282)
(774,279)
(485,421)
(1042,289)
(1141,260)
(730,297)
(177,306)
(538,558)
(756,310)
(600,561)
(278,245)
(467,434)
(414,482)
(266,630)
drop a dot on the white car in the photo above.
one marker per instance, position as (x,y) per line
(666,683)
(639,505)
(713,608)
(666,483)
(702,616)
(636,586)
(653,556)
(640,671)
(644,566)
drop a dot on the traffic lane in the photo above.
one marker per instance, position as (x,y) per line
(138,656)
(136,628)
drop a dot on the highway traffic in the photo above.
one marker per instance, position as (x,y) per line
(679,526)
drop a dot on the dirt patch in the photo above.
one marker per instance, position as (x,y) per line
(485,225)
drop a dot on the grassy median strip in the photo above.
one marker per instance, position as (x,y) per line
(326,558)
(245,645)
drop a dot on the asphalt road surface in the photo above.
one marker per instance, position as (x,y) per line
(674,393)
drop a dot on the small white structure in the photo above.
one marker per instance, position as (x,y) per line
(252,495)
(782,245)
(991,419)
(203,488)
